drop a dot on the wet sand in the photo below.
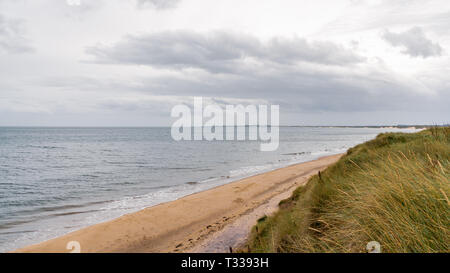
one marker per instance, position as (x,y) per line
(208,221)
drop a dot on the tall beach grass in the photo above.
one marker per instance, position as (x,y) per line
(394,190)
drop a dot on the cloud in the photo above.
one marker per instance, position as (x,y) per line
(12,39)
(304,89)
(301,75)
(341,75)
(219,51)
(311,90)
(414,42)
(158,4)
(366,15)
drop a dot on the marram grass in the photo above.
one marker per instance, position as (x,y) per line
(394,190)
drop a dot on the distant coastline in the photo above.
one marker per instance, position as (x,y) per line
(401,126)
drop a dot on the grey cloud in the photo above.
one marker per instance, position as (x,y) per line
(297,49)
(300,90)
(296,73)
(158,4)
(219,51)
(314,91)
(415,42)
(12,38)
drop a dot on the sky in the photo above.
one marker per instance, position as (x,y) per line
(128,62)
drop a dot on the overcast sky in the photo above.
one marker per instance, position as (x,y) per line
(127,62)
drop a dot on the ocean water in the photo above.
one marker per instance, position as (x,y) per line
(56,180)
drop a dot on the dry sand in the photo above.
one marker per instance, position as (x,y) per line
(208,221)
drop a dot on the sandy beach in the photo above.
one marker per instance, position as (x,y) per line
(208,221)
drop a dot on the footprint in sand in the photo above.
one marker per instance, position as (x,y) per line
(243,188)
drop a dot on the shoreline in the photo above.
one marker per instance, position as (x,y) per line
(208,221)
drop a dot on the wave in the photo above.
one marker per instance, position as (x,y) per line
(58,208)
(42,147)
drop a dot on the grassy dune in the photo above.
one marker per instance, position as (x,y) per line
(394,189)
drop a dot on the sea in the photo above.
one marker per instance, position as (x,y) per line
(57,180)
